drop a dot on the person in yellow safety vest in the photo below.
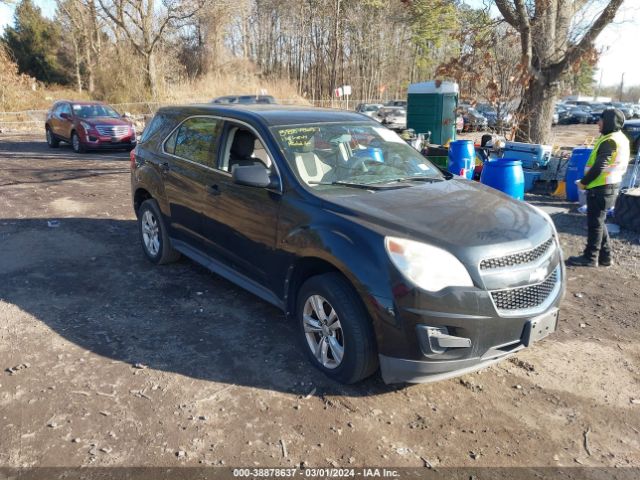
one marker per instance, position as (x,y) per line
(602,177)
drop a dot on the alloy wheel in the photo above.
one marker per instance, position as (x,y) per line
(323,331)
(150,233)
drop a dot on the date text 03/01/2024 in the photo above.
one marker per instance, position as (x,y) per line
(315,472)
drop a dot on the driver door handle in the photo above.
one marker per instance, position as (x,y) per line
(164,167)
(213,190)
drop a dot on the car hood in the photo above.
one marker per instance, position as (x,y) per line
(466,218)
(106,121)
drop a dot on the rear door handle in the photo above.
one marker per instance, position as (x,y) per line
(165,167)
(213,190)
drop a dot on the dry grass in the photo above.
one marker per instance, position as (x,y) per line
(239,78)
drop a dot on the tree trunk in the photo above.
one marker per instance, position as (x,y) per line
(536,112)
(150,79)
(76,58)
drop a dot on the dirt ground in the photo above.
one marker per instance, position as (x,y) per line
(111,361)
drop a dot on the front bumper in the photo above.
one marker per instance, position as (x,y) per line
(425,337)
(399,370)
(95,141)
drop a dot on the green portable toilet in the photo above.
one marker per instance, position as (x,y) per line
(431,107)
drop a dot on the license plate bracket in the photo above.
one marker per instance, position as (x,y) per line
(538,328)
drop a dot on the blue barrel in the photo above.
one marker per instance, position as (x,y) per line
(506,175)
(575,171)
(462,157)
(373,153)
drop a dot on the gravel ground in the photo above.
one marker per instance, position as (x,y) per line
(111,361)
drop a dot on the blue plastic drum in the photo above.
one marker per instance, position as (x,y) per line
(373,153)
(462,157)
(575,171)
(506,175)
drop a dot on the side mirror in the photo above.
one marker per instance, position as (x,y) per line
(126,115)
(252,176)
(65,116)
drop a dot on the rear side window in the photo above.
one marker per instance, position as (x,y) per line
(153,127)
(195,140)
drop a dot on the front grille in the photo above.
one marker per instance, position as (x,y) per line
(113,130)
(523,298)
(515,259)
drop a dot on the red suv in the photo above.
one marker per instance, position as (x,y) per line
(88,126)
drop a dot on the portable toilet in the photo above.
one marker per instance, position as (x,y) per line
(431,107)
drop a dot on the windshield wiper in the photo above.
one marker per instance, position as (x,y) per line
(414,179)
(364,186)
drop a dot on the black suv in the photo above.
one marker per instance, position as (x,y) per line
(382,259)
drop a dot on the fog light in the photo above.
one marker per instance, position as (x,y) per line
(436,340)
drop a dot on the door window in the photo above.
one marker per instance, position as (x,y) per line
(195,140)
(65,108)
(243,148)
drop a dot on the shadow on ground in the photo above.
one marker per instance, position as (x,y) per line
(88,281)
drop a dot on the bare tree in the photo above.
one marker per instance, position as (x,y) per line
(145,23)
(549,49)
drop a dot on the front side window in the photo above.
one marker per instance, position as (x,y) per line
(243,148)
(195,140)
(65,108)
(326,154)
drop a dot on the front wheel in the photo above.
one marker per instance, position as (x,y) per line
(52,141)
(335,330)
(77,145)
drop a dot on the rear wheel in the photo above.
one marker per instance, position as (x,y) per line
(52,141)
(153,233)
(336,332)
(77,145)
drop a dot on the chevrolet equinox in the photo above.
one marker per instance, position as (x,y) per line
(383,260)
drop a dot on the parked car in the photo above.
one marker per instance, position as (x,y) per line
(395,118)
(368,109)
(88,126)
(575,114)
(473,120)
(351,232)
(632,130)
(628,112)
(596,110)
(245,99)
(396,103)
(494,120)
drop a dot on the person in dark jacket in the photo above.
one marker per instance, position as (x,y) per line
(602,177)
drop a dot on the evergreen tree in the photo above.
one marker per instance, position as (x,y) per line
(33,40)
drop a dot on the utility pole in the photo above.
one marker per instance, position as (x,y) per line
(621,87)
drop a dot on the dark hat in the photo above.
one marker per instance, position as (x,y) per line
(612,120)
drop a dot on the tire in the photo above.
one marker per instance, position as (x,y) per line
(52,141)
(153,234)
(352,330)
(76,144)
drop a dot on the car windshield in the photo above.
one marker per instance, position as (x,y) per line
(370,108)
(352,154)
(88,111)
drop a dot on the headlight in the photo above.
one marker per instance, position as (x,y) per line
(86,126)
(427,267)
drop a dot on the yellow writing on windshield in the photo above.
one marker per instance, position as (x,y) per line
(297,137)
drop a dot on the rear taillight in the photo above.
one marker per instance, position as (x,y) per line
(132,157)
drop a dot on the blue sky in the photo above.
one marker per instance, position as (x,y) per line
(618,40)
